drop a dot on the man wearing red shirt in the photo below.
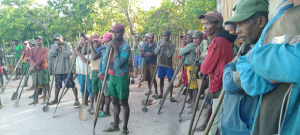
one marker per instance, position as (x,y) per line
(219,53)
(38,59)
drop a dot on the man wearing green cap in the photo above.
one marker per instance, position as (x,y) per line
(238,107)
(270,70)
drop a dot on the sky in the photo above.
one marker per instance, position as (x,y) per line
(147,4)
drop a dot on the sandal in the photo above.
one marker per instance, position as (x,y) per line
(32,103)
(158,97)
(124,132)
(172,99)
(155,95)
(77,103)
(189,101)
(146,94)
(52,103)
(191,106)
(112,123)
(111,129)
(102,114)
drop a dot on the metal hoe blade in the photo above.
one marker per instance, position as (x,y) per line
(14,96)
(16,104)
(144,109)
(82,112)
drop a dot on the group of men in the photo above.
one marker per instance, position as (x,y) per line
(242,58)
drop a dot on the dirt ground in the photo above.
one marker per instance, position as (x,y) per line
(31,120)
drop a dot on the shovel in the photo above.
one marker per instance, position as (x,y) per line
(0,104)
(15,94)
(83,107)
(46,108)
(16,104)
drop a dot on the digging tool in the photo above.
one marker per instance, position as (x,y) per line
(83,108)
(132,80)
(46,108)
(3,89)
(62,93)
(189,83)
(170,84)
(16,104)
(15,94)
(180,91)
(213,115)
(144,109)
(36,91)
(0,104)
(196,106)
(99,98)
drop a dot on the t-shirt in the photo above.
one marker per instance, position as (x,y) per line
(38,57)
(81,66)
(95,63)
(18,48)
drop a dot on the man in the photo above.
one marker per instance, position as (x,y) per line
(118,77)
(165,63)
(137,58)
(95,51)
(150,62)
(107,37)
(17,49)
(231,28)
(38,60)
(141,50)
(219,53)
(278,84)
(82,71)
(63,67)
(33,45)
(190,58)
(25,51)
(184,75)
(2,64)
(240,108)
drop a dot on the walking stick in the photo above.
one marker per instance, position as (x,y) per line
(132,80)
(212,117)
(144,109)
(16,104)
(15,94)
(102,90)
(196,106)
(0,104)
(82,108)
(3,89)
(170,84)
(46,108)
(189,83)
(180,91)
(61,95)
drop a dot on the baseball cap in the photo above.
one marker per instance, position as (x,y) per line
(25,42)
(190,32)
(145,36)
(197,34)
(33,43)
(96,37)
(117,28)
(137,35)
(246,8)
(107,37)
(166,33)
(57,36)
(212,16)
(184,35)
(40,37)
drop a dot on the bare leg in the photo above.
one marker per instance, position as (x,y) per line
(117,110)
(75,93)
(107,104)
(56,95)
(4,71)
(102,102)
(126,113)
(161,86)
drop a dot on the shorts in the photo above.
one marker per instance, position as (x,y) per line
(96,82)
(81,81)
(149,72)
(40,78)
(184,77)
(194,84)
(106,86)
(163,71)
(59,78)
(137,60)
(24,68)
(118,87)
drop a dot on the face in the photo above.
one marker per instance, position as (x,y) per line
(184,41)
(14,43)
(150,39)
(96,43)
(137,39)
(82,41)
(24,45)
(230,29)
(39,42)
(118,35)
(189,39)
(250,30)
(57,41)
(105,42)
(197,41)
(210,28)
(145,39)
(166,38)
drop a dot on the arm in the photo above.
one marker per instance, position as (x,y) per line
(211,60)
(67,51)
(32,62)
(105,59)
(84,60)
(153,50)
(120,58)
(229,85)
(157,49)
(42,58)
(277,62)
(187,49)
(95,55)
(252,83)
(170,50)
(53,52)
